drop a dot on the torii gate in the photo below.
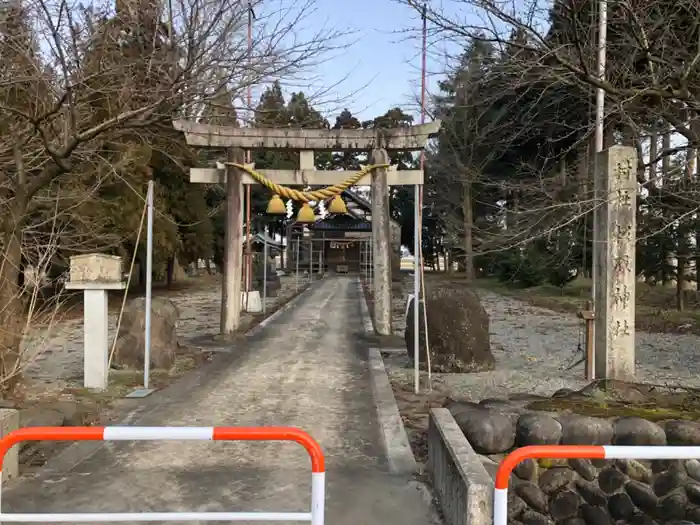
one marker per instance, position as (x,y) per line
(237,140)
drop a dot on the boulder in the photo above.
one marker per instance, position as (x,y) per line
(129,351)
(458,328)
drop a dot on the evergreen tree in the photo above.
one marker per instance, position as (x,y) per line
(273,111)
(345,160)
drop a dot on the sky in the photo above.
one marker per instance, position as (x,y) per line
(380,67)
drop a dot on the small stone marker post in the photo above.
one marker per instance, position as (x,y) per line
(95,274)
(615,261)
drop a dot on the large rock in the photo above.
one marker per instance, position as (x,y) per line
(130,349)
(458,328)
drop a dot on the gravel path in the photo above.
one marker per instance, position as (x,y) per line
(534,346)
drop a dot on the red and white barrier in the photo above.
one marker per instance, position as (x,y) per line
(500,494)
(316,516)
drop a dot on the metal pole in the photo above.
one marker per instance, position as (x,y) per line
(599,143)
(296,279)
(311,260)
(371,263)
(249,255)
(362,261)
(416,291)
(320,258)
(264,304)
(417,222)
(368,263)
(149,285)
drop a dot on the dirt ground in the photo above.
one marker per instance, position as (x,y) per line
(534,336)
(656,310)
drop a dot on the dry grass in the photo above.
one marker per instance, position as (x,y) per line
(415,412)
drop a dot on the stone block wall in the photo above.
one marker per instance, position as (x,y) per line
(582,491)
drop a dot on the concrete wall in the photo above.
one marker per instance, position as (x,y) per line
(462,486)
(9,422)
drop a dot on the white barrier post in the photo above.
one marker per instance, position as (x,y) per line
(135,433)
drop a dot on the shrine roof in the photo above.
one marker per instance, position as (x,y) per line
(342,223)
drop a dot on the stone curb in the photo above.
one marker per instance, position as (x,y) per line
(394,438)
(80,451)
(364,310)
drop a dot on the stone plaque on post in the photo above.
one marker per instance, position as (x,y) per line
(95,268)
(95,274)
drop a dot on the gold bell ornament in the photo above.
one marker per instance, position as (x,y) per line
(276,206)
(337,206)
(306,214)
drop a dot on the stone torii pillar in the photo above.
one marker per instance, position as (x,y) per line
(614,257)
(233,257)
(306,141)
(381,244)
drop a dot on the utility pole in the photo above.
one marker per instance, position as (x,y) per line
(417,220)
(598,191)
(249,101)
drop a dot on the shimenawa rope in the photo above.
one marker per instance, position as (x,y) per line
(307,196)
